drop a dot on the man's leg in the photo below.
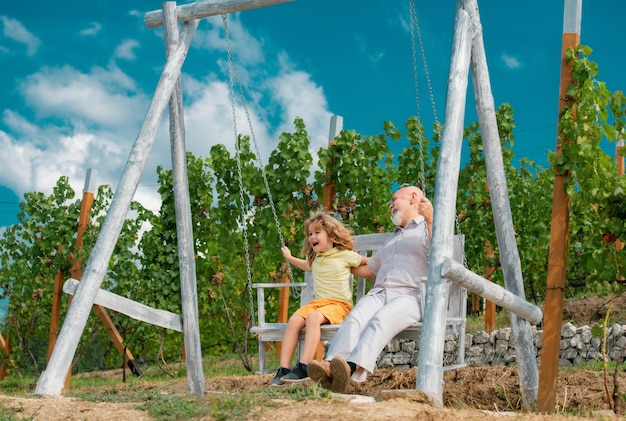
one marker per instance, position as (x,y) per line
(345,339)
(391,319)
(349,333)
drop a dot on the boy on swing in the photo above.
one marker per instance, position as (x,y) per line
(330,255)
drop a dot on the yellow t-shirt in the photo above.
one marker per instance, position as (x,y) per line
(331,274)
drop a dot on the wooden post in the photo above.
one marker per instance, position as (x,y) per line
(184,229)
(490,306)
(559,232)
(76,272)
(328,199)
(503,219)
(6,350)
(283,308)
(430,373)
(55,315)
(620,171)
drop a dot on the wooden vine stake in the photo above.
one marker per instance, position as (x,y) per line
(559,229)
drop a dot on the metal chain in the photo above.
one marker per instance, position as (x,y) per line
(234,71)
(413,24)
(239,176)
(426,72)
(415,29)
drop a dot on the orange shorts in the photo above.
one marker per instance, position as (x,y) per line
(334,310)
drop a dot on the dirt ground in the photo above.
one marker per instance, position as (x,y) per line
(469,393)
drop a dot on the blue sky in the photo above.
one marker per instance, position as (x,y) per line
(77,80)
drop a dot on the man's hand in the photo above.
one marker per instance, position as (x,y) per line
(426,210)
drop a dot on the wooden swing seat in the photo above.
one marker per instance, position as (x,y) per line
(366,244)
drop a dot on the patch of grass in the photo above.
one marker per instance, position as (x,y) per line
(150,397)
(9,414)
(229,365)
(475,324)
(171,407)
(16,386)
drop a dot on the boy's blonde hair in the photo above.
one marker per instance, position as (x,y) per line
(337,232)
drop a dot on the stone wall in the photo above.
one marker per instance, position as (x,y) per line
(578,346)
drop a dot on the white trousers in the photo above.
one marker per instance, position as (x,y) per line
(370,325)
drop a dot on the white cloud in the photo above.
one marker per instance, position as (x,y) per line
(299,96)
(14,30)
(90,119)
(35,157)
(248,51)
(82,120)
(126,49)
(92,30)
(105,97)
(510,61)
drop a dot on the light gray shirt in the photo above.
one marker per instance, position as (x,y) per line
(403,260)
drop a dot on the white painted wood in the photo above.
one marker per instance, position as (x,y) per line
(503,219)
(493,292)
(90,181)
(430,371)
(572,16)
(184,230)
(131,308)
(203,9)
(52,379)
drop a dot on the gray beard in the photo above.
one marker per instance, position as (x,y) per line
(396,218)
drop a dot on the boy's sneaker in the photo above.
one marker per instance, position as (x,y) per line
(277,380)
(297,375)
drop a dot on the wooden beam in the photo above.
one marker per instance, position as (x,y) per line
(131,308)
(559,234)
(458,273)
(203,9)
(502,216)
(430,373)
(184,224)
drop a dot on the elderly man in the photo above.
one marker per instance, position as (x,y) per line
(391,305)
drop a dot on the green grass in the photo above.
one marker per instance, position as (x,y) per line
(150,392)
(166,406)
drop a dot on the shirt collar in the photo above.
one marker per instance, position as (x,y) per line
(329,252)
(415,221)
